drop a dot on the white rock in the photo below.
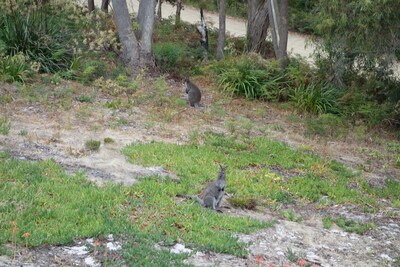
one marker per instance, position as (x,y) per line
(179,248)
(114,246)
(77,250)
(386,257)
(110,237)
(89,261)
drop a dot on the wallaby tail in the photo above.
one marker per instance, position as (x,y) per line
(199,200)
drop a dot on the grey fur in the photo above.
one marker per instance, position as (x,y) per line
(194,93)
(212,195)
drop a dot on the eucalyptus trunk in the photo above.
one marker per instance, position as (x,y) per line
(91,5)
(104,5)
(257,26)
(178,12)
(278,15)
(130,45)
(221,30)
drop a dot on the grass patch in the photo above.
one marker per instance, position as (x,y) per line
(92,145)
(55,208)
(247,178)
(108,140)
(352,226)
(327,222)
(5,126)
(347,225)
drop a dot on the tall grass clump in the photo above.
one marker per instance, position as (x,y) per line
(252,77)
(40,31)
(315,98)
(14,68)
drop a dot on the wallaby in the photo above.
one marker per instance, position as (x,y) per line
(212,195)
(194,93)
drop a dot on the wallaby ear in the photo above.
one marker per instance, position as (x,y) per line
(222,167)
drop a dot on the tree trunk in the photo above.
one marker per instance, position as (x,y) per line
(257,26)
(104,5)
(221,30)
(130,46)
(91,5)
(202,29)
(146,27)
(140,15)
(279,21)
(159,15)
(178,12)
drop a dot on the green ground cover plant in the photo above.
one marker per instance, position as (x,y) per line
(39,198)
(246,178)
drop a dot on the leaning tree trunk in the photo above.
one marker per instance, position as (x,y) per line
(221,30)
(279,22)
(178,12)
(91,5)
(130,46)
(104,5)
(257,26)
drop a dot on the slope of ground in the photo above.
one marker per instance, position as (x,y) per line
(47,128)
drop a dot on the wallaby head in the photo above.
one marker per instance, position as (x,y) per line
(222,172)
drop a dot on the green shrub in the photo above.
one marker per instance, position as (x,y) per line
(315,98)
(91,70)
(14,68)
(168,55)
(329,125)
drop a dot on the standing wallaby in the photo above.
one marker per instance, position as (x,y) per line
(212,195)
(194,93)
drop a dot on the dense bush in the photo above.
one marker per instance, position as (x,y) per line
(177,49)
(168,55)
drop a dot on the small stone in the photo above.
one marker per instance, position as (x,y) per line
(114,246)
(179,248)
(386,257)
(77,250)
(89,261)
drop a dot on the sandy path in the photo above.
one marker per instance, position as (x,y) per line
(298,44)
(234,26)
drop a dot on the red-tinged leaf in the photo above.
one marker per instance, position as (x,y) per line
(302,262)
(259,259)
